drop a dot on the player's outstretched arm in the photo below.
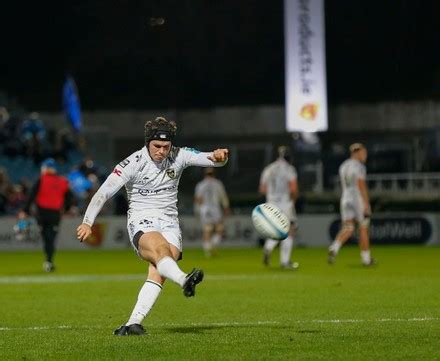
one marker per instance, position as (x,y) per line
(219,155)
(83,232)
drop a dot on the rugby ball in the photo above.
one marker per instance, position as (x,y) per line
(270,221)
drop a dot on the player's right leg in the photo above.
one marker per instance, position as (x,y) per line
(155,248)
(364,243)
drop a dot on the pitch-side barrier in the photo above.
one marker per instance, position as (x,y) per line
(314,231)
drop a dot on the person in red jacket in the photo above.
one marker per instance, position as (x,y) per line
(51,196)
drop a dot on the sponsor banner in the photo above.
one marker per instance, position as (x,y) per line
(314,231)
(402,229)
(306,89)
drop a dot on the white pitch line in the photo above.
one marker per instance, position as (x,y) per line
(127,277)
(227,324)
(415,319)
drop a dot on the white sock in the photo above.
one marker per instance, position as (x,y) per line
(216,239)
(207,247)
(269,245)
(168,268)
(147,297)
(335,246)
(366,257)
(286,246)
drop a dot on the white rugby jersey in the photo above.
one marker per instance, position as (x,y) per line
(151,186)
(350,172)
(212,193)
(276,176)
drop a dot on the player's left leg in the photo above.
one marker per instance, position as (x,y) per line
(286,247)
(217,237)
(48,233)
(147,297)
(207,239)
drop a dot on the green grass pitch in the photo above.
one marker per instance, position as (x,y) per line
(242,310)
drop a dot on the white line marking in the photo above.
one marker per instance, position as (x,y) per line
(128,277)
(226,324)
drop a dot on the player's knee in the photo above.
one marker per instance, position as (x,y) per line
(208,228)
(365,223)
(153,275)
(348,228)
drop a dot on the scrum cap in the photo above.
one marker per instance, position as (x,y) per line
(159,129)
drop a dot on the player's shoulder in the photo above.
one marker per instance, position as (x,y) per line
(346,163)
(132,159)
(270,166)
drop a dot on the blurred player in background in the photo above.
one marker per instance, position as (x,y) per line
(52,196)
(355,204)
(151,177)
(212,203)
(279,184)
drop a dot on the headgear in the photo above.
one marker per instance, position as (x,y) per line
(159,129)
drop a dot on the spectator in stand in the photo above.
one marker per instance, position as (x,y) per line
(16,199)
(10,134)
(64,144)
(4,117)
(33,135)
(84,182)
(5,189)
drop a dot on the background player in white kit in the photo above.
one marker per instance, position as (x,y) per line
(213,204)
(151,178)
(279,184)
(355,204)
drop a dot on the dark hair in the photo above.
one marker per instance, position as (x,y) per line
(159,129)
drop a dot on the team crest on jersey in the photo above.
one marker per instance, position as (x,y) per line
(171,173)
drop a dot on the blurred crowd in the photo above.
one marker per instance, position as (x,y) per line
(27,136)
(84,179)
(25,141)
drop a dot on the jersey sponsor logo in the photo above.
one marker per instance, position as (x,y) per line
(124,163)
(171,173)
(117,171)
(145,192)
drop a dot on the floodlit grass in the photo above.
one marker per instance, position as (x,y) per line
(242,311)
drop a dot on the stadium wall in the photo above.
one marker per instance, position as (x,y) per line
(314,231)
(263,120)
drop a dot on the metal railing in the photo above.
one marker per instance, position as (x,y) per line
(400,182)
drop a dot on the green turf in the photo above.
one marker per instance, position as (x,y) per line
(242,311)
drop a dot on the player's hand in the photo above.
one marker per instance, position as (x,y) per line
(83,232)
(219,155)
